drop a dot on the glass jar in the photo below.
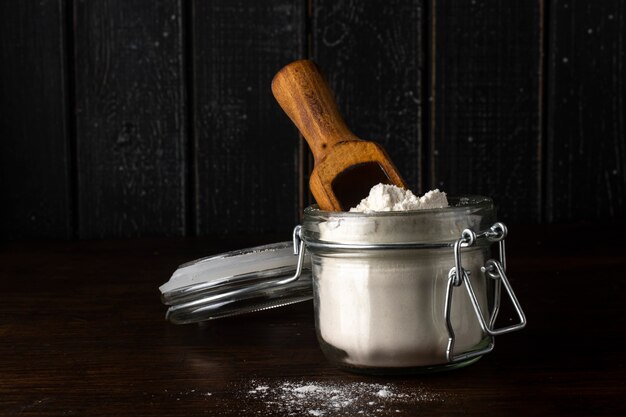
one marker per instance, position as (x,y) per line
(387,295)
(383,286)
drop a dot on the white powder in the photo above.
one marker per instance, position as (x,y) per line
(307,388)
(383,393)
(384,309)
(384,197)
(320,398)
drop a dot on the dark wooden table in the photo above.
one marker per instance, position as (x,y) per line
(82,332)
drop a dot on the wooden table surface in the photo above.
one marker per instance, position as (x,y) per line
(82,332)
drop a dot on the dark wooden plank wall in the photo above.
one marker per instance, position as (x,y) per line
(130,117)
(587,111)
(246,148)
(143,118)
(486,103)
(35,185)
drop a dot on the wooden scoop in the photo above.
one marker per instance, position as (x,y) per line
(346,167)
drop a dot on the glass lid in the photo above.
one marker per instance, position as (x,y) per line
(236,282)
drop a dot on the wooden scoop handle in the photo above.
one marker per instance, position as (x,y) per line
(302,92)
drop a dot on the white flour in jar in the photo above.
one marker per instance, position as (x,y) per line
(384,197)
(385,308)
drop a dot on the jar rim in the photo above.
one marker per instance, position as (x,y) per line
(429,226)
(457,204)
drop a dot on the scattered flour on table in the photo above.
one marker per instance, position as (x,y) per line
(317,398)
(262,397)
(385,197)
(384,393)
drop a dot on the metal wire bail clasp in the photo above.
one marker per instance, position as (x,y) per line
(299,249)
(494,269)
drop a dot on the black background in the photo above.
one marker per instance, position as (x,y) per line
(149,118)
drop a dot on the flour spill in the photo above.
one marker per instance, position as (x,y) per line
(317,398)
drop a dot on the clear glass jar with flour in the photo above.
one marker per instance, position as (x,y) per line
(386,295)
